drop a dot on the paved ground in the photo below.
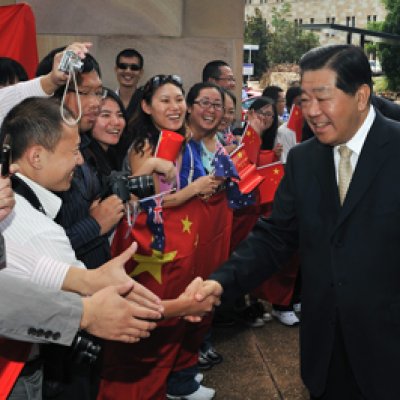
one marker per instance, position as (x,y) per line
(259,363)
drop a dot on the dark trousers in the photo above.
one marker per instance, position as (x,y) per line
(341,383)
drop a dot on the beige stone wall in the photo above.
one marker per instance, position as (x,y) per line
(174,36)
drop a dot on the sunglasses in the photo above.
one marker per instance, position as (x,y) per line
(132,67)
(159,80)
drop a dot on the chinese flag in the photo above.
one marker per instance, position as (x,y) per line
(251,142)
(18,36)
(13,355)
(169,145)
(295,121)
(249,177)
(193,247)
(266,157)
(273,174)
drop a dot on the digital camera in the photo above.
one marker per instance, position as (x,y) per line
(70,61)
(123,186)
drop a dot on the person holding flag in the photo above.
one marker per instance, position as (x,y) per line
(157,124)
(163,107)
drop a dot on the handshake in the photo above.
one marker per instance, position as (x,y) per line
(127,311)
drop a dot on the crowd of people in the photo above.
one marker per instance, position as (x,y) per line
(113,336)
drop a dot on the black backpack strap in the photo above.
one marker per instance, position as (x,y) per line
(20,187)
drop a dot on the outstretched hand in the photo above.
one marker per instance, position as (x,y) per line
(107,314)
(113,273)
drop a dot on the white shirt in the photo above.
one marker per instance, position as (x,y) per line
(356,143)
(287,138)
(33,232)
(14,94)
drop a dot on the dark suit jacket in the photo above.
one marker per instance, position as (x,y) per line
(350,258)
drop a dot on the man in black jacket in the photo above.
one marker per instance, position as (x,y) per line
(347,230)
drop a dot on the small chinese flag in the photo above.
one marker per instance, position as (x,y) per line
(169,145)
(251,142)
(266,157)
(272,174)
(295,121)
(247,171)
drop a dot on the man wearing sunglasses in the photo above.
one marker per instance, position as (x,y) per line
(129,70)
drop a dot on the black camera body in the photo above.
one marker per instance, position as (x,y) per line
(84,350)
(70,61)
(123,186)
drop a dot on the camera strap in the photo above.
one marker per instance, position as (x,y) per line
(78,99)
(20,187)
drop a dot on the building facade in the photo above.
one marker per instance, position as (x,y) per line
(343,12)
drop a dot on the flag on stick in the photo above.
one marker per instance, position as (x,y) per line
(251,142)
(249,177)
(295,121)
(272,174)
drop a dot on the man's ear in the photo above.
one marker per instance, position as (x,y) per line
(35,156)
(363,94)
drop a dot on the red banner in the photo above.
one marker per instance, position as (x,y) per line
(18,36)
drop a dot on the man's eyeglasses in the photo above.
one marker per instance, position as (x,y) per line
(205,104)
(267,114)
(132,67)
(98,93)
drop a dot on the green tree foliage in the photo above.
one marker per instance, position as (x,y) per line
(390,53)
(256,32)
(373,47)
(288,42)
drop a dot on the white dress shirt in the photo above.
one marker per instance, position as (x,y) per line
(356,143)
(28,232)
(14,94)
(287,138)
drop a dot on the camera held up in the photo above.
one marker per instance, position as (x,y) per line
(123,186)
(70,61)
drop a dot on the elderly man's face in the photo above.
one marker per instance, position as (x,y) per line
(333,115)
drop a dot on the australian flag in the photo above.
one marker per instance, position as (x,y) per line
(223,165)
(153,207)
(224,168)
(237,199)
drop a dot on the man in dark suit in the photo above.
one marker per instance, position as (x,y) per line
(348,243)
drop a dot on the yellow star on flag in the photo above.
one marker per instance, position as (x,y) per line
(186,224)
(239,154)
(276,171)
(152,264)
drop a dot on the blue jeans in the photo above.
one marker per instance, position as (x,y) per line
(182,382)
